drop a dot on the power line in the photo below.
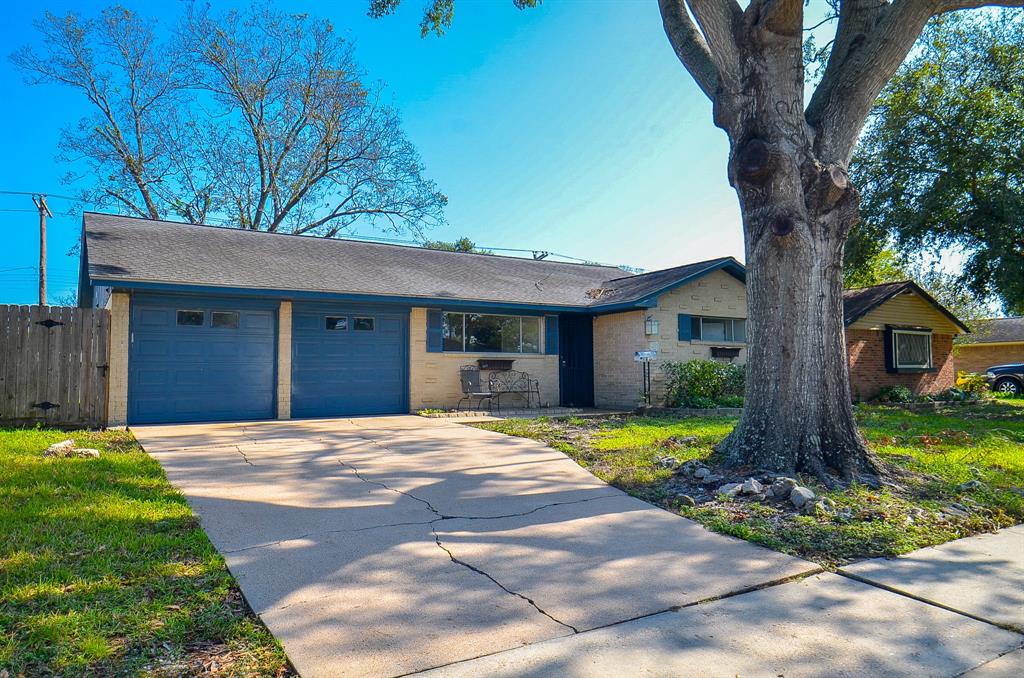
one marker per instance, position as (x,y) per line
(48,195)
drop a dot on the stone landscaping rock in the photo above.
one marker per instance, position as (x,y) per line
(730,489)
(702,473)
(712,479)
(679,441)
(667,462)
(66,448)
(686,500)
(972,484)
(800,496)
(61,449)
(956,510)
(1018,491)
(782,487)
(751,486)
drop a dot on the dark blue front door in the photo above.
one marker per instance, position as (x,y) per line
(200,359)
(349,361)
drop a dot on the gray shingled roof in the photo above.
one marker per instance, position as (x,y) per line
(127,249)
(997,330)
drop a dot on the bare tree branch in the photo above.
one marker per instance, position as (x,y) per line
(689,45)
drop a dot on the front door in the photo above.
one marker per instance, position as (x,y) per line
(576,360)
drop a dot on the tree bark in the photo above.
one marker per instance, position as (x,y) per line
(798,208)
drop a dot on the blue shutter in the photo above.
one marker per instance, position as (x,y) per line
(685,327)
(435,343)
(551,334)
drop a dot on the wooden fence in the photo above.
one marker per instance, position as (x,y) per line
(53,365)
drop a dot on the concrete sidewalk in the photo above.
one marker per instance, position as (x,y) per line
(390,545)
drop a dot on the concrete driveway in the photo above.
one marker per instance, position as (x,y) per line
(390,545)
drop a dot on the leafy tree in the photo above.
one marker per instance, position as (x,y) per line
(255,116)
(788,163)
(941,164)
(463,244)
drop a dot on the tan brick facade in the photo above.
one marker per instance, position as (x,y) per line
(617,378)
(865,350)
(117,375)
(434,377)
(284,360)
(979,357)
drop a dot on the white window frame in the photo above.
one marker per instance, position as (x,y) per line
(732,321)
(540,333)
(896,350)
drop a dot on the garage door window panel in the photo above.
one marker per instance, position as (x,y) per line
(363,324)
(189,318)
(336,323)
(225,320)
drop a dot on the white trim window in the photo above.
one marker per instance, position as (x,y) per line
(490,333)
(731,330)
(912,349)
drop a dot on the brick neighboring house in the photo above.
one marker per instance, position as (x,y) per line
(996,341)
(897,334)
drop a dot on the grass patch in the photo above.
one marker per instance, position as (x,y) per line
(943,448)
(105,571)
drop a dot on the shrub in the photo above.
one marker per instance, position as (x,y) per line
(971,382)
(894,394)
(730,401)
(703,383)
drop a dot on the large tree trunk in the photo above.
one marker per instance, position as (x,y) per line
(798,413)
(797,211)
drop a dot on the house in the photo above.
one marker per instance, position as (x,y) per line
(897,334)
(211,323)
(996,341)
(215,323)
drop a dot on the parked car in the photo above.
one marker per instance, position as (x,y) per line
(1006,378)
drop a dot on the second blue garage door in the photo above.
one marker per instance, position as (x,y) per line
(349,361)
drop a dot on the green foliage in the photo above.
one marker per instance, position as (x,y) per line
(941,163)
(105,571)
(437,14)
(894,394)
(463,244)
(704,384)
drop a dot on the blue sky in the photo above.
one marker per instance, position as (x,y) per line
(569,128)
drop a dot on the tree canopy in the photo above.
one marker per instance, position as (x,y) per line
(941,163)
(256,117)
(463,244)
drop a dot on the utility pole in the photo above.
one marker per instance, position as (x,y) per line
(44,211)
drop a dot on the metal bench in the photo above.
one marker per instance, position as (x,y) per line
(505,382)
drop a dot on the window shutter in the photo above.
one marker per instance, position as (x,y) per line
(685,327)
(889,349)
(434,338)
(551,334)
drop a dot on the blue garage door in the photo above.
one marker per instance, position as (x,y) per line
(200,360)
(349,361)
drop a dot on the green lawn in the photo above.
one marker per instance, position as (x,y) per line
(105,571)
(943,449)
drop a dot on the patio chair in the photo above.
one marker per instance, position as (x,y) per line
(469,375)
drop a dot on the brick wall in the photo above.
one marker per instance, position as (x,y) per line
(284,360)
(434,377)
(117,375)
(617,379)
(865,350)
(980,357)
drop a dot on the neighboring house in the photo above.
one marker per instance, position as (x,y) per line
(211,323)
(997,341)
(897,334)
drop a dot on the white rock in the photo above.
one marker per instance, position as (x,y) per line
(61,449)
(752,486)
(782,487)
(800,496)
(730,489)
(89,452)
